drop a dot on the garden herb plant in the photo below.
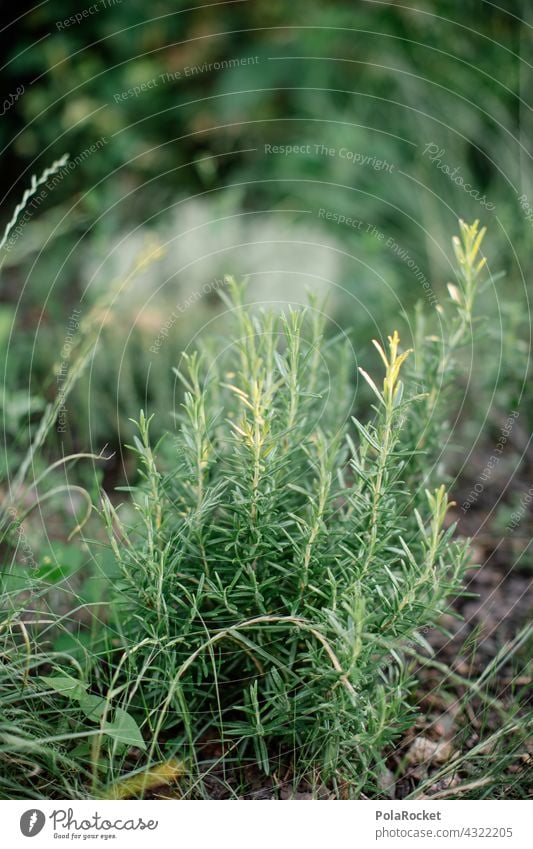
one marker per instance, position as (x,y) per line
(285,559)
(285,551)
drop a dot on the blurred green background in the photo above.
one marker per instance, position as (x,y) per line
(310,145)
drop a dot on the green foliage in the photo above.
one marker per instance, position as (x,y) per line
(369,80)
(286,551)
(272,593)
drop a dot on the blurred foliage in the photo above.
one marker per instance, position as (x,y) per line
(382,81)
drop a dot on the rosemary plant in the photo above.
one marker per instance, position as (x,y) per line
(288,551)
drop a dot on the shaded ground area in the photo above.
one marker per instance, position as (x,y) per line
(487,642)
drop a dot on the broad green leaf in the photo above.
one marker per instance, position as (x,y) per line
(92,706)
(69,687)
(124,729)
(51,572)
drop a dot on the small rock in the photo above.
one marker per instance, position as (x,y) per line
(423,750)
(443,752)
(445,784)
(387,783)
